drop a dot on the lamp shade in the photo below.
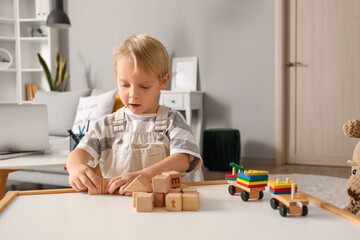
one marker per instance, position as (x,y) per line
(57,17)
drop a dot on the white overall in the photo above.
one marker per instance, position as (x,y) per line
(133,151)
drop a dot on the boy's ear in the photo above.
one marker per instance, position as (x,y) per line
(164,80)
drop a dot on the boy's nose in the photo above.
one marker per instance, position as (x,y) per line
(133,93)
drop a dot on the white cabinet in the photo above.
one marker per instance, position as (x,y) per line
(18,35)
(187,101)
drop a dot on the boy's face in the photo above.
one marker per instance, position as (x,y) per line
(138,91)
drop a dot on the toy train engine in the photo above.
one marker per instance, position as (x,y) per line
(249,183)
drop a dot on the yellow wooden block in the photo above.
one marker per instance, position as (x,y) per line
(256,172)
(282,185)
(251,183)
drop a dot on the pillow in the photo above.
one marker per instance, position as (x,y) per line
(92,108)
(61,108)
(96,91)
(118,103)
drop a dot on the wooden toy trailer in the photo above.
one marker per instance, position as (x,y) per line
(249,187)
(288,203)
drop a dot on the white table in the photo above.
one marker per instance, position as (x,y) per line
(55,157)
(221,216)
(186,101)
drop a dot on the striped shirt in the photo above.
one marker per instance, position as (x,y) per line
(98,141)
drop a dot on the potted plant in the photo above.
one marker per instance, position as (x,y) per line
(59,83)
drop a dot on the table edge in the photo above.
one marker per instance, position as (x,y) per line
(11,195)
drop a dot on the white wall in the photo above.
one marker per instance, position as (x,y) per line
(233,39)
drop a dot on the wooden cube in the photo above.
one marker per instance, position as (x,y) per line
(145,202)
(159,199)
(175,190)
(98,192)
(174,202)
(175,178)
(161,184)
(104,183)
(134,195)
(188,189)
(190,201)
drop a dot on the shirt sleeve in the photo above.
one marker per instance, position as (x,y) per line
(182,140)
(98,139)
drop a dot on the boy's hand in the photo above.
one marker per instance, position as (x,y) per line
(119,183)
(82,177)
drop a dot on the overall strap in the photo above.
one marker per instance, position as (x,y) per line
(119,123)
(161,121)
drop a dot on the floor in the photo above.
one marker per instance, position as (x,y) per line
(342,172)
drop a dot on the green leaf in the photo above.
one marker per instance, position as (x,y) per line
(57,65)
(47,72)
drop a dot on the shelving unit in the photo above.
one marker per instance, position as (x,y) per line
(18,23)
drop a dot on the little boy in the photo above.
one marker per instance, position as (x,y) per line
(142,137)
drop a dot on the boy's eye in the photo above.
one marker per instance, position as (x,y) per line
(124,85)
(354,171)
(145,87)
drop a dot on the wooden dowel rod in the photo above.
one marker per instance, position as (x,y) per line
(341,212)
(8,199)
(48,191)
(215,182)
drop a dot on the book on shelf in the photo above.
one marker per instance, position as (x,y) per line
(31,89)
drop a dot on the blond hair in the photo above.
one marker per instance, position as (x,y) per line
(147,54)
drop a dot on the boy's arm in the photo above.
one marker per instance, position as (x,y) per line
(179,162)
(81,177)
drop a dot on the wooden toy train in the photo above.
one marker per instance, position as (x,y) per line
(251,184)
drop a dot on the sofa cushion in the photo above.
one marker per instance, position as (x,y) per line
(118,103)
(92,108)
(61,107)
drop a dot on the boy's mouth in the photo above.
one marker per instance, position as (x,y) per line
(133,105)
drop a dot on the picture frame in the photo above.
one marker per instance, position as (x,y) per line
(6,59)
(184,74)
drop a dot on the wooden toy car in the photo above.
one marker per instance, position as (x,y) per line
(286,198)
(250,184)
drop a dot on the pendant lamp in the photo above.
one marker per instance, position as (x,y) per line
(57,17)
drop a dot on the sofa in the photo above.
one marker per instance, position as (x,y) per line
(67,110)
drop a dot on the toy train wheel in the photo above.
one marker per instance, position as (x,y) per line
(274,203)
(232,190)
(261,195)
(245,196)
(305,211)
(283,210)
